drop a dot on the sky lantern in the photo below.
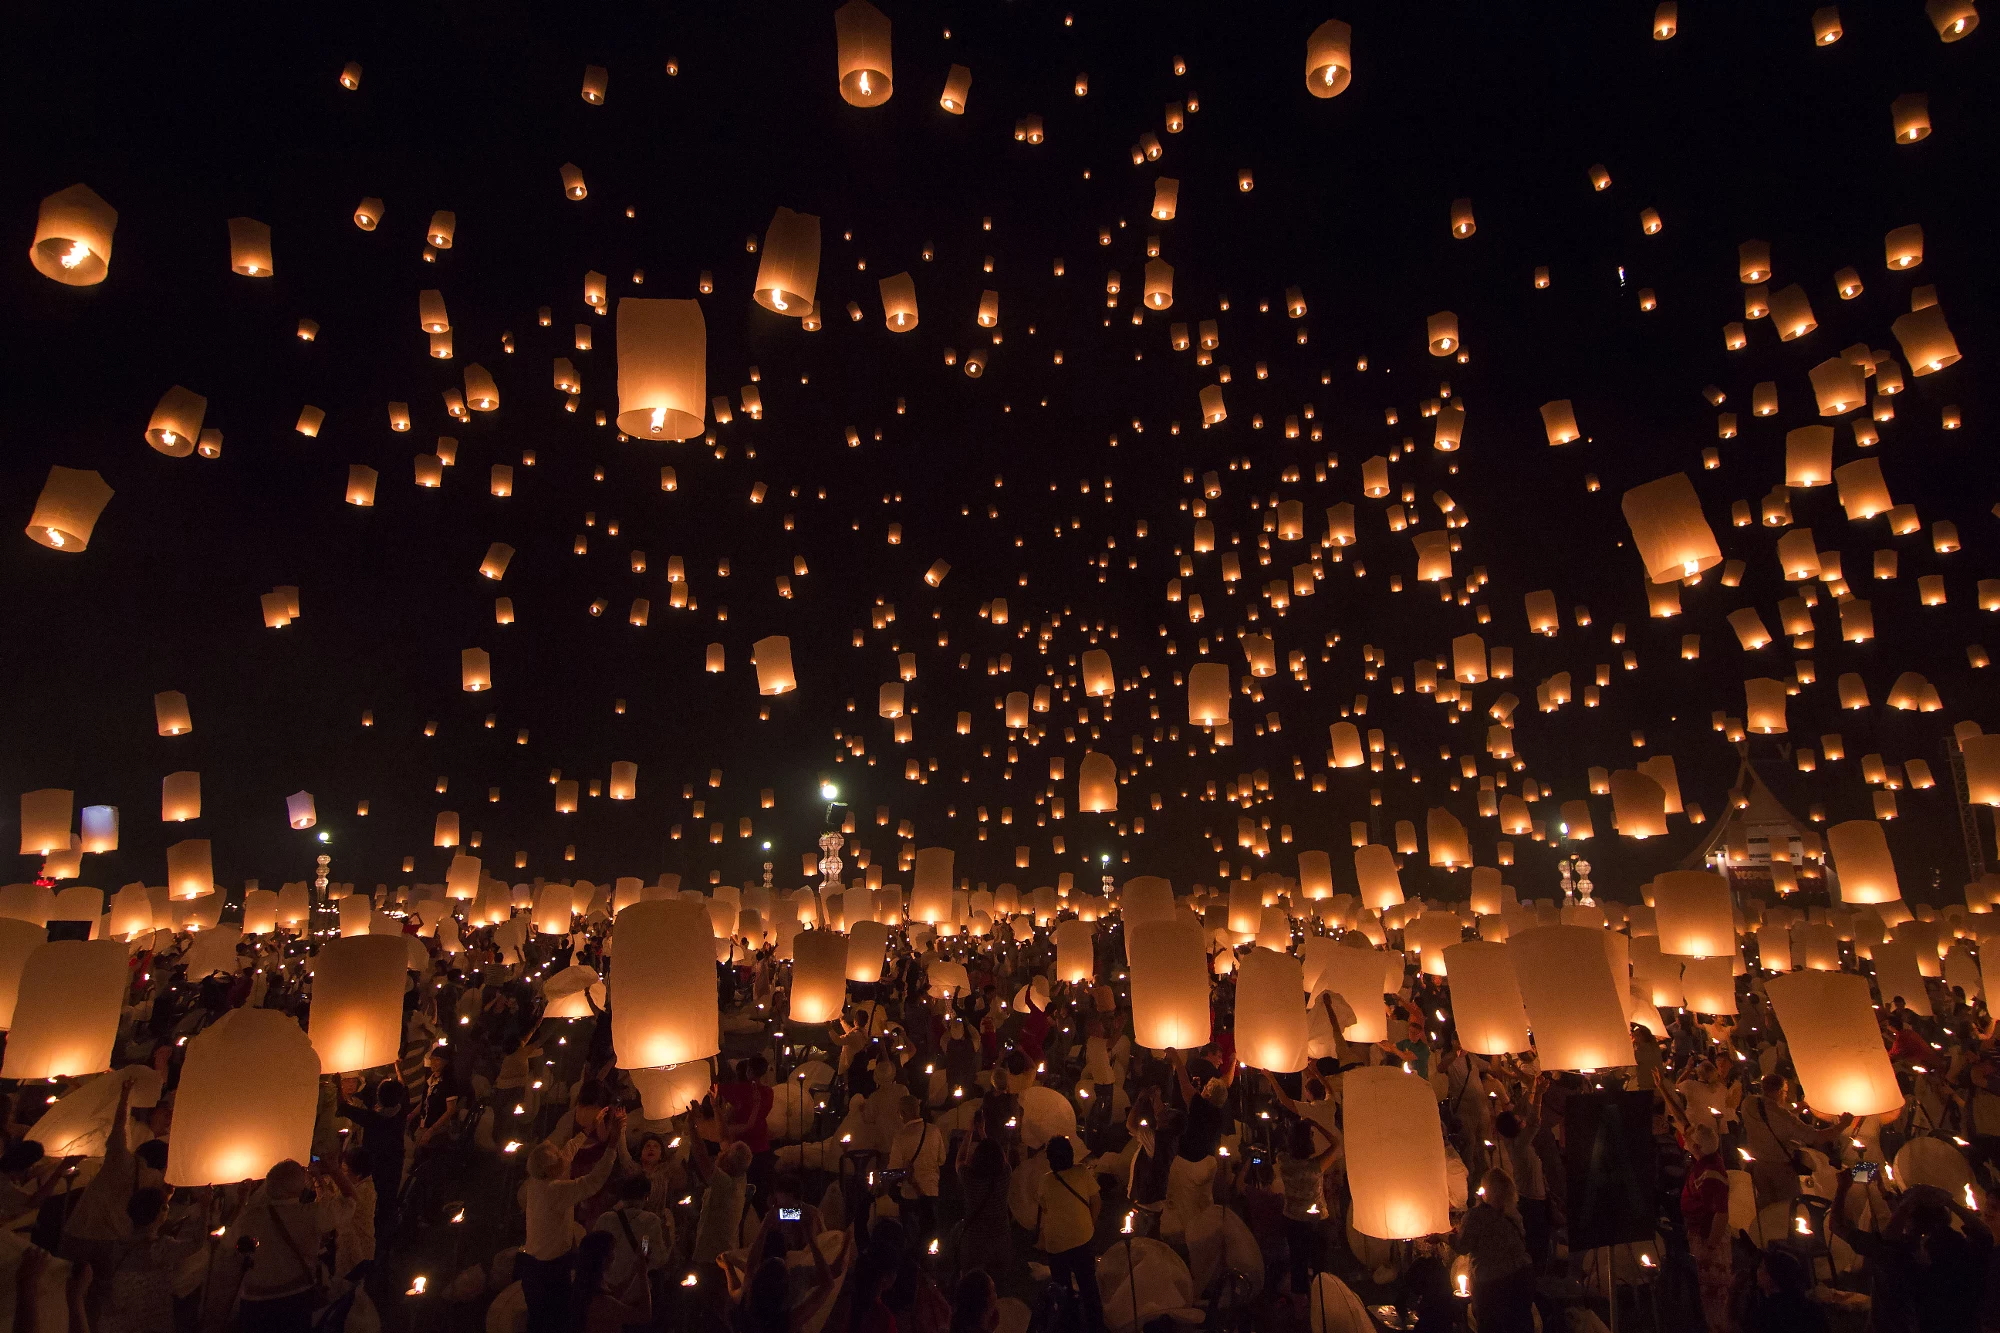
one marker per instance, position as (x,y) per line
(1859,852)
(1396,1164)
(1667,524)
(662,368)
(1576,1008)
(861,36)
(788,264)
(663,984)
(1828,1019)
(356,1017)
(73,230)
(229,1129)
(1270,1012)
(1169,974)
(1329,64)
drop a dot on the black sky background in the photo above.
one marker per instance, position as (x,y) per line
(1737,128)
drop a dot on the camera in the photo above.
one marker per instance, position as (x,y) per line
(1864,1173)
(790,1214)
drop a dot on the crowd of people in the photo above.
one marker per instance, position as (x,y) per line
(987,1153)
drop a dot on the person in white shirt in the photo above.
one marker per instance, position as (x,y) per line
(918,1148)
(640,1241)
(550,1203)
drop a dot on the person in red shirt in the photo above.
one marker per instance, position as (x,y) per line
(1906,1046)
(750,1100)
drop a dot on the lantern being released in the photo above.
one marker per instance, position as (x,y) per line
(232,1128)
(1486,998)
(1270,1012)
(1396,1157)
(1169,974)
(66,1008)
(663,983)
(819,976)
(356,1018)
(1828,1019)
(1576,1008)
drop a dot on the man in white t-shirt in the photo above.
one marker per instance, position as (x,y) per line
(918,1148)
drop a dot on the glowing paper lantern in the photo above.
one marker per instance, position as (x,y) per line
(45,820)
(662,368)
(1638,804)
(1357,976)
(899,297)
(788,269)
(1673,537)
(1926,340)
(1097,783)
(73,230)
(356,1018)
(1859,853)
(1270,1013)
(1375,872)
(1575,1009)
(1076,958)
(1169,975)
(1828,1020)
(67,510)
(1486,997)
(772,657)
(861,38)
(866,942)
(229,1128)
(1396,1157)
(190,869)
(663,984)
(930,891)
(65,1009)
(819,976)
(1315,875)
(250,248)
(1329,64)
(1208,694)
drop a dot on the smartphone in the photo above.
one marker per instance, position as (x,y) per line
(790,1214)
(1864,1173)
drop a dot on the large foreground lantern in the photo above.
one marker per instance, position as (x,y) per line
(66,1010)
(1486,998)
(663,984)
(662,368)
(1396,1157)
(1270,1012)
(1169,973)
(229,1127)
(1575,1007)
(356,1018)
(1829,1024)
(1076,958)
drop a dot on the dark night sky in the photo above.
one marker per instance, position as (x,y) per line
(1737,128)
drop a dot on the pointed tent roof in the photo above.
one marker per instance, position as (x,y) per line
(1763,815)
